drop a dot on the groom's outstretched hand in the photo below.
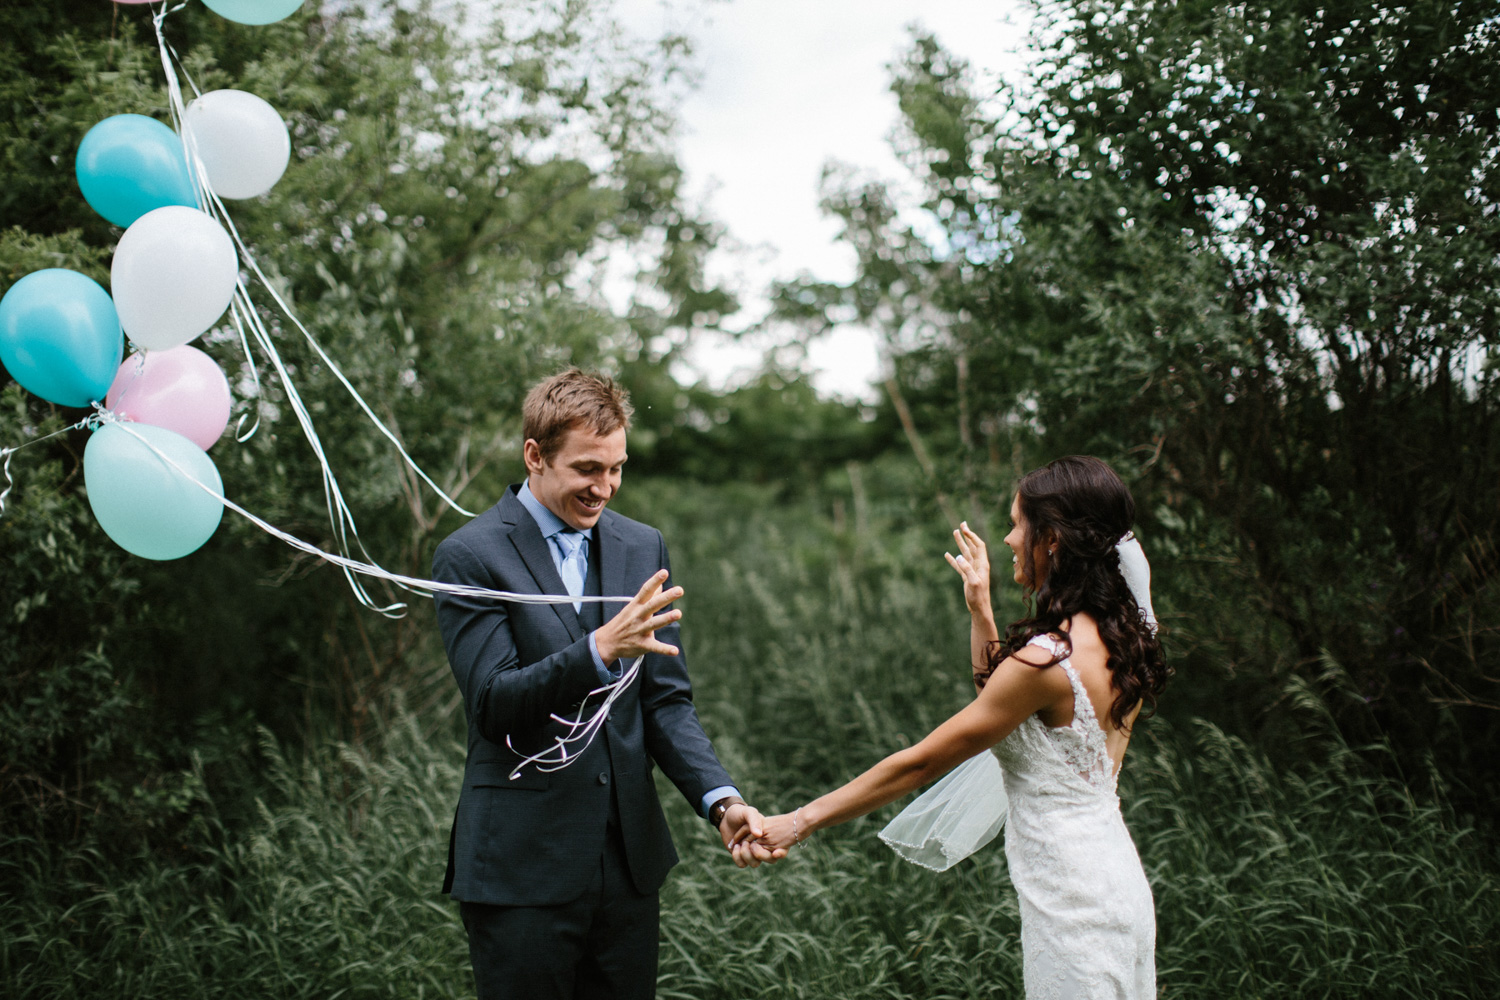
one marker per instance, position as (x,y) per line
(741,826)
(632,632)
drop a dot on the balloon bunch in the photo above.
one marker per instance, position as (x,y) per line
(174,273)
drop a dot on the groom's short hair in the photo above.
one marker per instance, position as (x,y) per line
(573,398)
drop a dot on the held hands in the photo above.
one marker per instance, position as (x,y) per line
(632,632)
(783,832)
(973,564)
(741,830)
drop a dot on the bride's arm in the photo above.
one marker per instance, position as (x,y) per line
(973,564)
(982,632)
(1015,691)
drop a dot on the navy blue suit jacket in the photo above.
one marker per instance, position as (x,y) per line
(537,840)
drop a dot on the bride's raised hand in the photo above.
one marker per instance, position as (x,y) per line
(973,564)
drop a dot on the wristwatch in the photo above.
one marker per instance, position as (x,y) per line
(718,809)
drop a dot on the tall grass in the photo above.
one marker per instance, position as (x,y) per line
(1323,881)
(813,654)
(330,893)
(1266,886)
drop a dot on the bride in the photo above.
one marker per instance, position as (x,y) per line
(1056,701)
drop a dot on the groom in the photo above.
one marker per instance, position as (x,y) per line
(557,874)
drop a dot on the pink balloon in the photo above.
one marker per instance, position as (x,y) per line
(181,389)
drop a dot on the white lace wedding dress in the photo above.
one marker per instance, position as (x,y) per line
(1088,925)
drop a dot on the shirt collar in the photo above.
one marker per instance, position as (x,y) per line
(548,522)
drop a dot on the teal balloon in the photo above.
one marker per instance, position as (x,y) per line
(253,11)
(60,337)
(144,504)
(129,165)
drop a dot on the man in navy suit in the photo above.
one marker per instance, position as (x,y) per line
(557,874)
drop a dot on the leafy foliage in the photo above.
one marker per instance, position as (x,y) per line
(1248,253)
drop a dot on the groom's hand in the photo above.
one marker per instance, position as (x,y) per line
(632,632)
(741,825)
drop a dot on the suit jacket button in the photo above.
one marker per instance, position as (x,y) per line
(603,777)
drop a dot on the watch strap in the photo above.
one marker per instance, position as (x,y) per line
(718,809)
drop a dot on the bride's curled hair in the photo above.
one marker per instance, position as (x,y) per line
(1082,508)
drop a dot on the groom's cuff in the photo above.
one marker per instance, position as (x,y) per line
(715,794)
(606,676)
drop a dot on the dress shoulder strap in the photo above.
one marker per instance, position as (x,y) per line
(1043,640)
(1082,743)
(1083,708)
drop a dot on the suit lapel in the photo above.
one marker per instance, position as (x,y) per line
(611,567)
(612,584)
(532,547)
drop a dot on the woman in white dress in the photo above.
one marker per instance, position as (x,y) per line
(1056,699)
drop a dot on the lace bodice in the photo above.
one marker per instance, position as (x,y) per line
(1080,746)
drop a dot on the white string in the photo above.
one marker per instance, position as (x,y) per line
(255,376)
(136,372)
(553,758)
(417,585)
(7,452)
(212,204)
(247,323)
(556,756)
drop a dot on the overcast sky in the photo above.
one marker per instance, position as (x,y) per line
(786,86)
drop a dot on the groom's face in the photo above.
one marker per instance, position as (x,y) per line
(578,481)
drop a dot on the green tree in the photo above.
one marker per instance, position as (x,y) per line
(1249,253)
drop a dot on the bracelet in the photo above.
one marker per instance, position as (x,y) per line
(797,841)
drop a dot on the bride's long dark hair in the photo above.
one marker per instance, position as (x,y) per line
(1082,509)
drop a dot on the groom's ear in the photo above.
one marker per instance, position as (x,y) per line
(531,454)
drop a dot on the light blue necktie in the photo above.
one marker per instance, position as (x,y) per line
(575,563)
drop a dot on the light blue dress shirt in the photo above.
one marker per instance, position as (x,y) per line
(552,527)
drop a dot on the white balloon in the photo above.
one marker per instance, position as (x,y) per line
(173,276)
(242,141)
